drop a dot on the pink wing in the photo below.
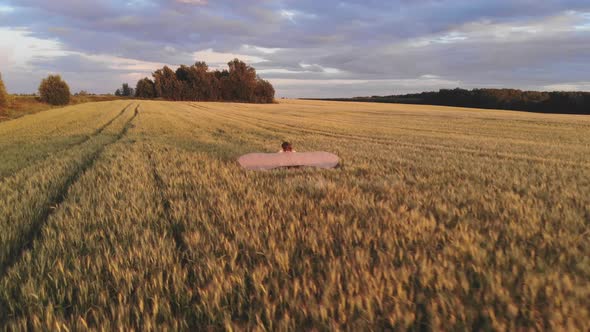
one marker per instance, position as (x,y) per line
(262,161)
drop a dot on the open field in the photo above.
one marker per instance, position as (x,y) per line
(23,105)
(134,214)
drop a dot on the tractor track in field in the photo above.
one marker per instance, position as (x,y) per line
(177,232)
(103,127)
(34,233)
(176,228)
(69,146)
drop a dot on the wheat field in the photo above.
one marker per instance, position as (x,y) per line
(134,215)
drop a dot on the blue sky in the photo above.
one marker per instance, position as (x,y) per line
(305,48)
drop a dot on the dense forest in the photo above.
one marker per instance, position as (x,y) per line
(239,83)
(508,99)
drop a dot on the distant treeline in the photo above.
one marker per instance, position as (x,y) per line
(508,99)
(196,83)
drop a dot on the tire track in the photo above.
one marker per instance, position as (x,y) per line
(69,146)
(34,233)
(103,127)
(177,229)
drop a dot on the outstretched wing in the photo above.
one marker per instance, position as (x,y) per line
(263,161)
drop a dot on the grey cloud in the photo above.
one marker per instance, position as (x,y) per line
(365,40)
(72,63)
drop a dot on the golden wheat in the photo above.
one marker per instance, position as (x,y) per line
(138,217)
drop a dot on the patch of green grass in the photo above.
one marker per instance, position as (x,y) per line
(19,106)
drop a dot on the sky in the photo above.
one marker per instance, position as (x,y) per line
(305,48)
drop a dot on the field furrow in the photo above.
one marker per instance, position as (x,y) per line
(31,196)
(27,141)
(106,258)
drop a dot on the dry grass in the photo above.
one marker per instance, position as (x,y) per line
(19,106)
(439,219)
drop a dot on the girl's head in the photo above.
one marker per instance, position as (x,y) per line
(287,146)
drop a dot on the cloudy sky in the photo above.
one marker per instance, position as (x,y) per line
(306,48)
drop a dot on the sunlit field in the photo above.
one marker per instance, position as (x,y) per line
(136,215)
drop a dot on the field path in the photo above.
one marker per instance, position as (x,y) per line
(47,201)
(70,134)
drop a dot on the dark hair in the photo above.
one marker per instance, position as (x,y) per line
(285,145)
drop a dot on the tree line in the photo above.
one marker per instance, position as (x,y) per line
(124,91)
(3,95)
(238,83)
(507,99)
(52,90)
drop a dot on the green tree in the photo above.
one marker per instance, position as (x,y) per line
(242,81)
(126,90)
(145,88)
(167,85)
(264,93)
(3,94)
(53,90)
(196,82)
(184,79)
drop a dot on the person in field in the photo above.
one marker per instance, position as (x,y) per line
(286,147)
(286,158)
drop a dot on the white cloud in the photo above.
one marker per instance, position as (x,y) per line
(21,52)
(19,47)
(220,59)
(494,32)
(6,9)
(584,24)
(193,2)
(124,64)
(278,71)
(315,83)
(336,88)
(293,15)
(320,68)
(257,49)
(575,86)
(288,14)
